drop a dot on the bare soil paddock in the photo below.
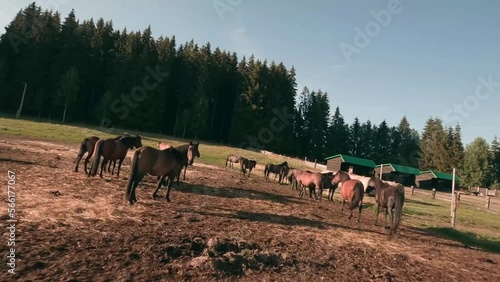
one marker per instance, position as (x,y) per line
(219,226)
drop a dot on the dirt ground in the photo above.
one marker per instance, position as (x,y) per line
(219,226)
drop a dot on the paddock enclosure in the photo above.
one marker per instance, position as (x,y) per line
(219,226)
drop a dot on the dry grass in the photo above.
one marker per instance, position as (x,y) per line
(219,226)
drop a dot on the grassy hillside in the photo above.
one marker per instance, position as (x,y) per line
(214,154)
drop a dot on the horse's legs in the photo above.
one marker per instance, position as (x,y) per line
(391,214)
(170,182)
(360,208)
(103,166)
(342,209)
(87,159)
(185,169)
(385,225)
(78,158)
(160,181)
(114,165)
(376,217)
(109,167)
(132,197)
(119,166)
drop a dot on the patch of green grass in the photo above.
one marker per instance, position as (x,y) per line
(467,238)
(211,153)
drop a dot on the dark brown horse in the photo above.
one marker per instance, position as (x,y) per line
(191,151)
(351,191)
(247,164)
(391,198)
(327,184)
(166,164)
(284,173)
(87,146)
(112,149)
(272,168)
(232,159)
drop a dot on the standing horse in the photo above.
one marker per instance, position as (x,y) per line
(272,168)
(327,184)
(284,173)
(351,191)
(166,164)
(87,146)
(308,180)
(391,198)
(232,159)
(191,151)
(111,150)
(247,164)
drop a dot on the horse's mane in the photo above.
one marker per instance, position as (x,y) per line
(128,140)
(183,148)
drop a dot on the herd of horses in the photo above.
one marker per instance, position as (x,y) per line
(166,162)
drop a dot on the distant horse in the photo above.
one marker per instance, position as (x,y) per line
(163,145)
(272,168)
(232,159)
(87,146)
(391,198)
(112,149)
(247,164)
(351,191)
(166,164)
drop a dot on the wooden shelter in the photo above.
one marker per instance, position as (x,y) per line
(350,164)
(398,173)
(436,179)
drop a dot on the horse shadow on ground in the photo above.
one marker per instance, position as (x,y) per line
(421,203)
(17,161)
(468,239)
(232,193)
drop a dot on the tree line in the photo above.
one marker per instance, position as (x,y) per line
(91,72)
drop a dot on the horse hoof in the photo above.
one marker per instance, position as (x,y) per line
(168,200)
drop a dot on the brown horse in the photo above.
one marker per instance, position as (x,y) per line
(191,151)
(391,198)
(351,191)
(308,180)
(163,145)
(284,173)
(166,164)
(247,164)
(327,184)
(87,146)
(272,168)
(232,159)
(112,149)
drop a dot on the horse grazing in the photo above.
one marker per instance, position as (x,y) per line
(276,169)
(163,145)
(391,198)
(166,164)
(232,159)
(247,164)
(111,150)
(351,191)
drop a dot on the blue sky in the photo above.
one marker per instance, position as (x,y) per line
(425,61)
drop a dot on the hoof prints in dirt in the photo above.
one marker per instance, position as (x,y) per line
(227,257)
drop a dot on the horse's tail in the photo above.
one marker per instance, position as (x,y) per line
(358,195)
(398,207)
(97,157)
(83,149)
(133,174)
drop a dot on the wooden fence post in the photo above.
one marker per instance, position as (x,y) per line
(453,209)
(434,193)
(488,198)
(412,189)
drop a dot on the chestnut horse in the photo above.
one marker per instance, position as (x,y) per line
(391,198)
(112,149)
(163,145)
(307,179)
(351,191)
(166,164)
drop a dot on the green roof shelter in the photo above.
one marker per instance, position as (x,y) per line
(436,179)
(350,164)
(398,173)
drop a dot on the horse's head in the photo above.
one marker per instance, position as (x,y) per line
(339,177)
(137,141)
(193,152)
